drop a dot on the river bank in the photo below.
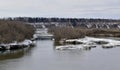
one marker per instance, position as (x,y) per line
(15,35)
(75,33)
(17,45)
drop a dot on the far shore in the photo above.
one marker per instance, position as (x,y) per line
(75,33)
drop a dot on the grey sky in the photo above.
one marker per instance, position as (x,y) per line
(61,8)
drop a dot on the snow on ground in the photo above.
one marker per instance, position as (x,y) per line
(25,42)
(89,42)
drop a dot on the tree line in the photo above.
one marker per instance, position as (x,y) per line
(72,20)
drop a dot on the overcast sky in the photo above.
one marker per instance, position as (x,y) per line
(61,8)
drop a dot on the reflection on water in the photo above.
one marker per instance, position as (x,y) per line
(45,57)
(13,54)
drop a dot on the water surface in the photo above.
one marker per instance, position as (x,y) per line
(45,57)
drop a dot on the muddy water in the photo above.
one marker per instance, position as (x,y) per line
(45,57)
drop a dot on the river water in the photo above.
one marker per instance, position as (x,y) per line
(45,57)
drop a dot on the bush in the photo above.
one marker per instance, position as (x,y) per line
(72,33)
(11,31)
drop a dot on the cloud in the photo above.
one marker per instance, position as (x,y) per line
(61,8)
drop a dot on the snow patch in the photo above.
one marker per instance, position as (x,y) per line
(89,42)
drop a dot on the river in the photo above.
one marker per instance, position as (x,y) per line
(44,57)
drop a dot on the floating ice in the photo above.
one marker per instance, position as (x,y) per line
(69,47)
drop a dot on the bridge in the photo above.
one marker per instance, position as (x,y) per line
(41,32)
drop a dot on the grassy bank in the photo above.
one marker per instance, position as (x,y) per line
(11,31)
(72,33)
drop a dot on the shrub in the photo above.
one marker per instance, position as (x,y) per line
(11,31)
(72,33)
